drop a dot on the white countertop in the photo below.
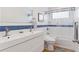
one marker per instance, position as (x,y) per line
(17,38)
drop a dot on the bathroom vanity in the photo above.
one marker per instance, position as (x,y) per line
(23,42)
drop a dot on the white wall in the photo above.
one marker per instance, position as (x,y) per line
(18,15)
(14,15)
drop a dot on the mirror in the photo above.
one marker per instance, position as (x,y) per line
(40,17)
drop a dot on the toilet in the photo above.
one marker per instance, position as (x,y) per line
(49,42)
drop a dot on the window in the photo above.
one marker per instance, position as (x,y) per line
(60,15)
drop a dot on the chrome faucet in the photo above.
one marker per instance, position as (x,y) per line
(6,31)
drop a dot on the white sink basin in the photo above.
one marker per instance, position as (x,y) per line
(14,37)
(19,35)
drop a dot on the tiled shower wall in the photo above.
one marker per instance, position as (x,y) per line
(16,19)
